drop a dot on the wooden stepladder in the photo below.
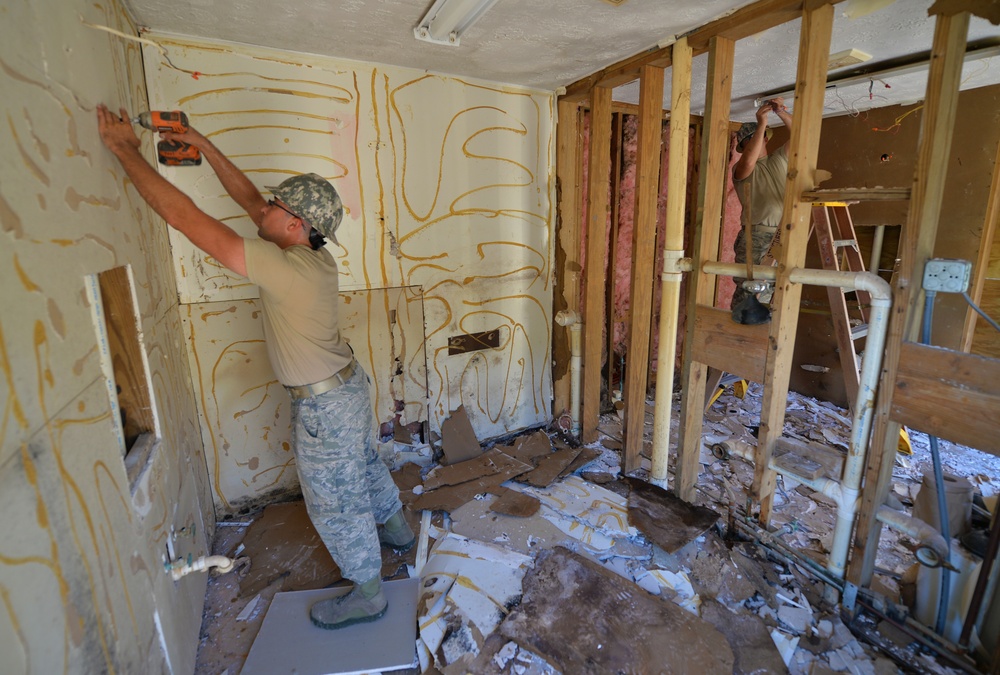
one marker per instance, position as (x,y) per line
(838,249)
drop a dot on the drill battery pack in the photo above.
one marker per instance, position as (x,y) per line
(176,153)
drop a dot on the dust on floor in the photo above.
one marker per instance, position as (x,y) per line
(770,611)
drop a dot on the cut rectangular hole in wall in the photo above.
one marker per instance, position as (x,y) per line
(123,359)
(471,342)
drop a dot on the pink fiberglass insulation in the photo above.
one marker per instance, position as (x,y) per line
(730,228)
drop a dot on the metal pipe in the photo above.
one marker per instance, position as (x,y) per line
(568,317)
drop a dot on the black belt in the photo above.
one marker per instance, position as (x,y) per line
(323,386)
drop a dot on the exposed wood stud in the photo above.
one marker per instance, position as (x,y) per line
(569,157)
(814,51)
(599,166)
(648,139)
(701,287)
(916,246)
(985,250)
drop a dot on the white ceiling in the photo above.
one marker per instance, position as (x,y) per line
(545,45)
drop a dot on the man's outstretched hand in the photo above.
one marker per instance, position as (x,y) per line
(116,131)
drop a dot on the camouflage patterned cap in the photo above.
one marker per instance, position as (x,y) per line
(745,131)
(313,199)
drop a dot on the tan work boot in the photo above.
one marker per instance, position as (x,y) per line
(364,603)
(396,533)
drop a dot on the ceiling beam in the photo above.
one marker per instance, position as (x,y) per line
(742,23)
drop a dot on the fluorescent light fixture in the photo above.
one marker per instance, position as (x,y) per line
(447,20)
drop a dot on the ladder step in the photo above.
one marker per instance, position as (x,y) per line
(859,331)
(841,243)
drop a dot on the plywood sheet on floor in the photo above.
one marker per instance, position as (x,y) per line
(583,618)
(289,643)
(666,520)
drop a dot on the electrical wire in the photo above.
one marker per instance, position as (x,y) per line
(145,41)
(980,311)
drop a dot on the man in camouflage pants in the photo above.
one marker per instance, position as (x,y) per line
(759,180)
(347,488)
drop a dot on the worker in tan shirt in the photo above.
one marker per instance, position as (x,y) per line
(346,487)
(759,180)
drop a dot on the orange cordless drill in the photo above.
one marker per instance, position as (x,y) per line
(171,153)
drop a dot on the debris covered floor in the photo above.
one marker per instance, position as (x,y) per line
(545,559)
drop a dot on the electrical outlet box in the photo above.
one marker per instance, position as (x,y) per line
(945,275)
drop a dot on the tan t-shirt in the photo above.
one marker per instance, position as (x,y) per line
(767,191)
(298,292)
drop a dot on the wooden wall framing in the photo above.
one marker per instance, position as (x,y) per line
(917,382)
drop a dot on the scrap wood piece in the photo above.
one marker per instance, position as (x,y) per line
(550,467)
(458,439)
(451,497)
(616,626)
(512,503)
(666,520)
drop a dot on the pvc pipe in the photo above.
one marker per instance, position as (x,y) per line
(665,357)
(673,244)
(568,317)
(846,492)
(179,568)
(876,249)
(916,529)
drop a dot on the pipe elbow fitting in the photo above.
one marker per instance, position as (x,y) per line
(567,317)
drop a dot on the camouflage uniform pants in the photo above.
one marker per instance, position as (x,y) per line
(763,236)
(346,486)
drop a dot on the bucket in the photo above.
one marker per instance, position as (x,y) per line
(958,499)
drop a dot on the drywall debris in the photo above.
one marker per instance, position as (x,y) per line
(594,516)
(550,467)
(249,609)
(529,447)
(458,439)
(461,482)
(467,589)
(512,503)
(748,637)
(786,645)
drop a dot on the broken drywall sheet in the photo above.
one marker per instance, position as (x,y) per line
(467,589)
(596,517)
(458,439)
(666,520)
(583,618)
(288,642)
(525,535)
